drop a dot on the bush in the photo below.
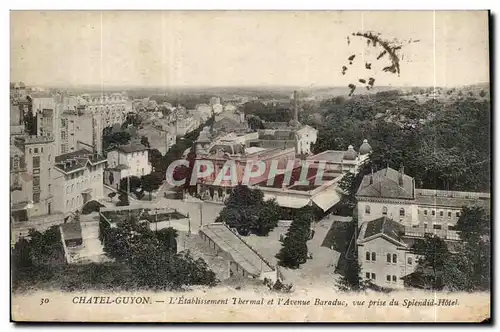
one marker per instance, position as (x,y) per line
(92,206)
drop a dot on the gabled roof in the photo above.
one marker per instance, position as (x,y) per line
(130,148)
(77,159)
(385,184)
(227,123)
(385,227)
(276,125)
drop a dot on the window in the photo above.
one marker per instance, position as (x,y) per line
(384,210)
(458,214)
(374,256)
(401,212)
(425,212)
(367,275)
(72,187)
(433,212)
(49,157)
(388,258)
(374,276)
(452,227)
(449,214)
(394,258)
(67,204)
(410,261)
(36,150)
(36,181)
(49,187)
(388,277)
(425,225)
(41,149)
(36,162)
(436,226)
(441,213)
(15,162)
(367,209)
(367,256)
(394,279)
(36,198)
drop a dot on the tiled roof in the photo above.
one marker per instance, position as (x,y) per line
(241,253)
(82,153)
(455,202)
(77,159)
(386,226)
(385,184)
(72,231)
(130,148)
(119,167)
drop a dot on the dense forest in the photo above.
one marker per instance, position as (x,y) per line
(442,145)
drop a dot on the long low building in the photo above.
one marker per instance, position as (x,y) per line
(242,259)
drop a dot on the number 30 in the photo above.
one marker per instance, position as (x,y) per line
(44,301)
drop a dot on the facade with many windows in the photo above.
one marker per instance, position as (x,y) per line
(78,178)
(392,214)
(31,167)
(126,160)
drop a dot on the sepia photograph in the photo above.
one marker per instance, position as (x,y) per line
(250,166)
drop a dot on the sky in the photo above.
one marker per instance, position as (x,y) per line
(236,48)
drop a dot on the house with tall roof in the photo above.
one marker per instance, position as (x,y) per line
(393,214)
(126,160)
(77,179)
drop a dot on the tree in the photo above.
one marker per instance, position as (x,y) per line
(294,249)
(143,251)
(150,183)
(482,94)
(473,224)
(111,195)
(255,123)
(46,248)
(246,211)
(123,199)
(154,158)
(167,238)
(268,215)
(433,260)
(145,141)
(92,206)
(130,183)
(351,280)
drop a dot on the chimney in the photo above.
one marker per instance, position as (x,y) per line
(371,177)
(295,107)
(401,175)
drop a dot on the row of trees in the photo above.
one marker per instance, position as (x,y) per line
(246,210)
(294,251)
(147,183)
(433,152)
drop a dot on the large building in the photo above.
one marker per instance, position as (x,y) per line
(77,178)
(31,160)
(126,160)
(392,213)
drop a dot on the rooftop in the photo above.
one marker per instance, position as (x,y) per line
(130,148)
(329,155)
(241,253)
(450,198)
(386,184)
(77,159)
(72,231)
